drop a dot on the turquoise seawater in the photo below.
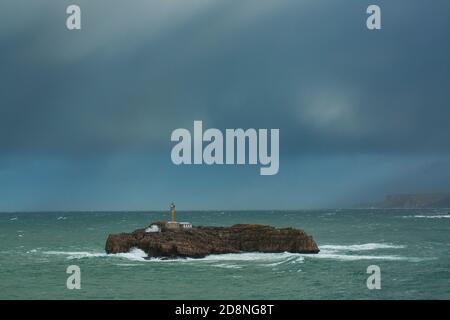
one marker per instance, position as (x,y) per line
(411,247)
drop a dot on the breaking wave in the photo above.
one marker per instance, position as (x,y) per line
(354,257)
(252,256)
(437,216)
(361,247)
(350,252)
(227,266)
(240,260)
(236,260)
(134,254)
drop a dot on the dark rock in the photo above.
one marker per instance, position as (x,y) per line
(201,241)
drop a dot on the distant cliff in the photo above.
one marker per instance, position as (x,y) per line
(201,241)
(425,200)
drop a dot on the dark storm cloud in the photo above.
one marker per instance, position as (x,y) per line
(86,116)
(136,71)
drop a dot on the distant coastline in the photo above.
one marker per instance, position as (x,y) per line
(416,201)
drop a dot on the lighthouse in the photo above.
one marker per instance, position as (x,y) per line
(172,213)
(172,224)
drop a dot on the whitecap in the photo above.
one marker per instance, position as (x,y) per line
(438,216)
(345,252)
(252,256)
(76,254)
(134,254)
(350,257)
(232,260)
(361,247)
(227,266)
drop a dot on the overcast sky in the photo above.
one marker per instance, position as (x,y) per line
(86,116)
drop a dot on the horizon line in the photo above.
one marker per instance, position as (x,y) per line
(215,210)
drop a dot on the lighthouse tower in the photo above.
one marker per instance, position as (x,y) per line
(171,224)
(172,213)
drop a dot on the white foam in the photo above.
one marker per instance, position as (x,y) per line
(76,254)
(349,257)
(134,254)
(232,260)
(227,266)
(347,252)
(439,216)
(252,256)
(295,258)
(361,247)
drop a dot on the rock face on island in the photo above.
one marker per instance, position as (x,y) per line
(199,242)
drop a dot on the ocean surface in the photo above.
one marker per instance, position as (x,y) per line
(411,247)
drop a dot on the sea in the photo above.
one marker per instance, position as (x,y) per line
(411,248)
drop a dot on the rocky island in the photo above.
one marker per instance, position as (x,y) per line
(180,239)
(198,242)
